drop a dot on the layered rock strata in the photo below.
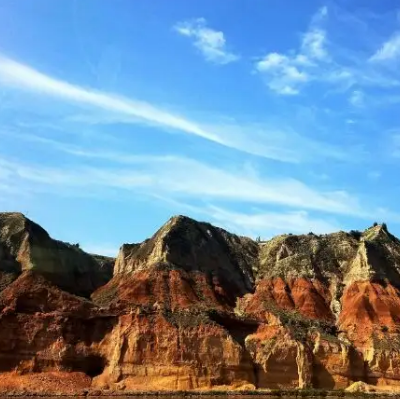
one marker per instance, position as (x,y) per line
(195,307)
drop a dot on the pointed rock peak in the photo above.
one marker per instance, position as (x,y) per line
(378,231)
(15,223)
(180,228)
(182,221)
(191,246)
(12,215)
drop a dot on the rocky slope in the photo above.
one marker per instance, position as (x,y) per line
(195,307)
(24,245)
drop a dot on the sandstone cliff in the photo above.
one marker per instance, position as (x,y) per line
(186,263)
(24,245)
(195,307)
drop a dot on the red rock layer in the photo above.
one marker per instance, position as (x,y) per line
(138,345)
(370,308)
(309,298)
(166,289)
(45,329)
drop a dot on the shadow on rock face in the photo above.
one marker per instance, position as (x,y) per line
(92,365)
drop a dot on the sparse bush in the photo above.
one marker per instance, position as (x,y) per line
(299,325)
(375,224)
(386,343)
(355,234)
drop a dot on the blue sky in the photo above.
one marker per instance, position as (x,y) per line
(263,116)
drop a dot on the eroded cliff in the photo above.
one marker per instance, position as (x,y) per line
(24,245)
(195,307)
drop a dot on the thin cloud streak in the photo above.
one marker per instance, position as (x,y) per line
(255,139)
(179,178)
(260,141)
(268,224)
(389,50)
(265,224)
(21,76)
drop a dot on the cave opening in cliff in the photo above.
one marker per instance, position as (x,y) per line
(92,365)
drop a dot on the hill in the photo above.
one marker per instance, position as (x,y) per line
(196,307)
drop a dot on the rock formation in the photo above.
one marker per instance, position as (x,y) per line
(24,245)
(195,307)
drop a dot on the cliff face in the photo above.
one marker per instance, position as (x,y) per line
(186,245)
(195,307)
(24,245)
(185,264)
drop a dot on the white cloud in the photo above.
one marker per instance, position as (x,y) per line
(374,174)
(286,73)
(283,73)
(210,42)
(313,44)
(257,223)
(268,224)
(264,141)
(357,98)
(320,15)
(319,60)
(389,50)
(21,76)
(180,178)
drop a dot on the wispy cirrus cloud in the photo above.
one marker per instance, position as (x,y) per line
(211,43)
(323,59)
(278,143)
(272,223)
(389,51)
(179,178)
(268,224)
(18,75)
(287,73)
(256,222)
(357,98)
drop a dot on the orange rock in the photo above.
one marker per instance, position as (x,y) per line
(197,308)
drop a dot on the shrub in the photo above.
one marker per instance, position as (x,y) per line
(299,324)
(355,234)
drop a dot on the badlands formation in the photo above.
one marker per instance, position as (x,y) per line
(198,308)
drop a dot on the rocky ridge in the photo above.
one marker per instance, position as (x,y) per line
(195,307)
(24,245)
